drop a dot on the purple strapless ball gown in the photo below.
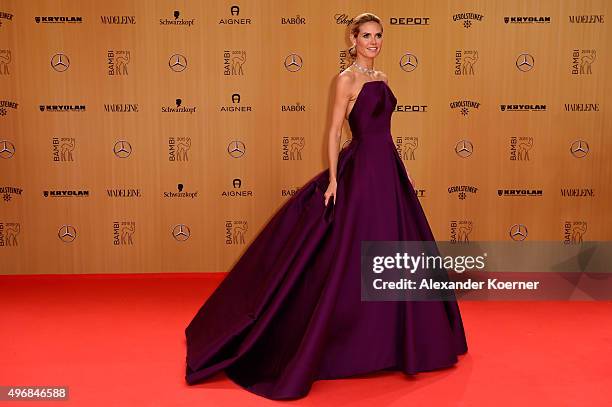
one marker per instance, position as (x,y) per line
(290,310)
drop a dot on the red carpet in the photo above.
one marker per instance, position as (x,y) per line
(119,341)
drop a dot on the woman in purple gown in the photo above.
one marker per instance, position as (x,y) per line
(290,312)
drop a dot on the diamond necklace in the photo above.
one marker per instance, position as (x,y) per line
(362,69)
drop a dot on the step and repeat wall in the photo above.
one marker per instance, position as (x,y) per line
(160,136)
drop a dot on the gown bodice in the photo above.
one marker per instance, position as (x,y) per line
(370,116)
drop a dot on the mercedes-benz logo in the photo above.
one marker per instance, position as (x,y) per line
(236,148)
(579,148)
(181,232)
(525,62)
(518,232)
(293,62)
(408,62)
(60,62)
(122,149)
(177,63)
(464,148)
(67,233)
(7,149)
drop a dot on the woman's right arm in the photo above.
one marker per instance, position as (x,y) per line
(341,99)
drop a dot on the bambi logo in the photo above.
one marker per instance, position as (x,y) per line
(235,231)
(464,148)
(460,231)
(123,233)
(573,232)
(233,62)
(465,61)
(406,147)
(60,62)
(579,148)
(408,62)
(236,149)
(7,149)
(292,148)
(518,232)
(117,62)
(67,233)
(525,62)
(8,233)
(520,147)
(122,149)
(177,63)
(62,148)
(582,61)
(178,148)
(293,62)
(181,232)
(5,59)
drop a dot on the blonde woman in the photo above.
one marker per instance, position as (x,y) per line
(290,310)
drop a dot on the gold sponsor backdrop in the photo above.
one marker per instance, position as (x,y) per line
(265,34)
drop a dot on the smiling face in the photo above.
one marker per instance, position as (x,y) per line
(369,40)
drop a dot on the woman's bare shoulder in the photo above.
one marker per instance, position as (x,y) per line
(345,81)
(347,76)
